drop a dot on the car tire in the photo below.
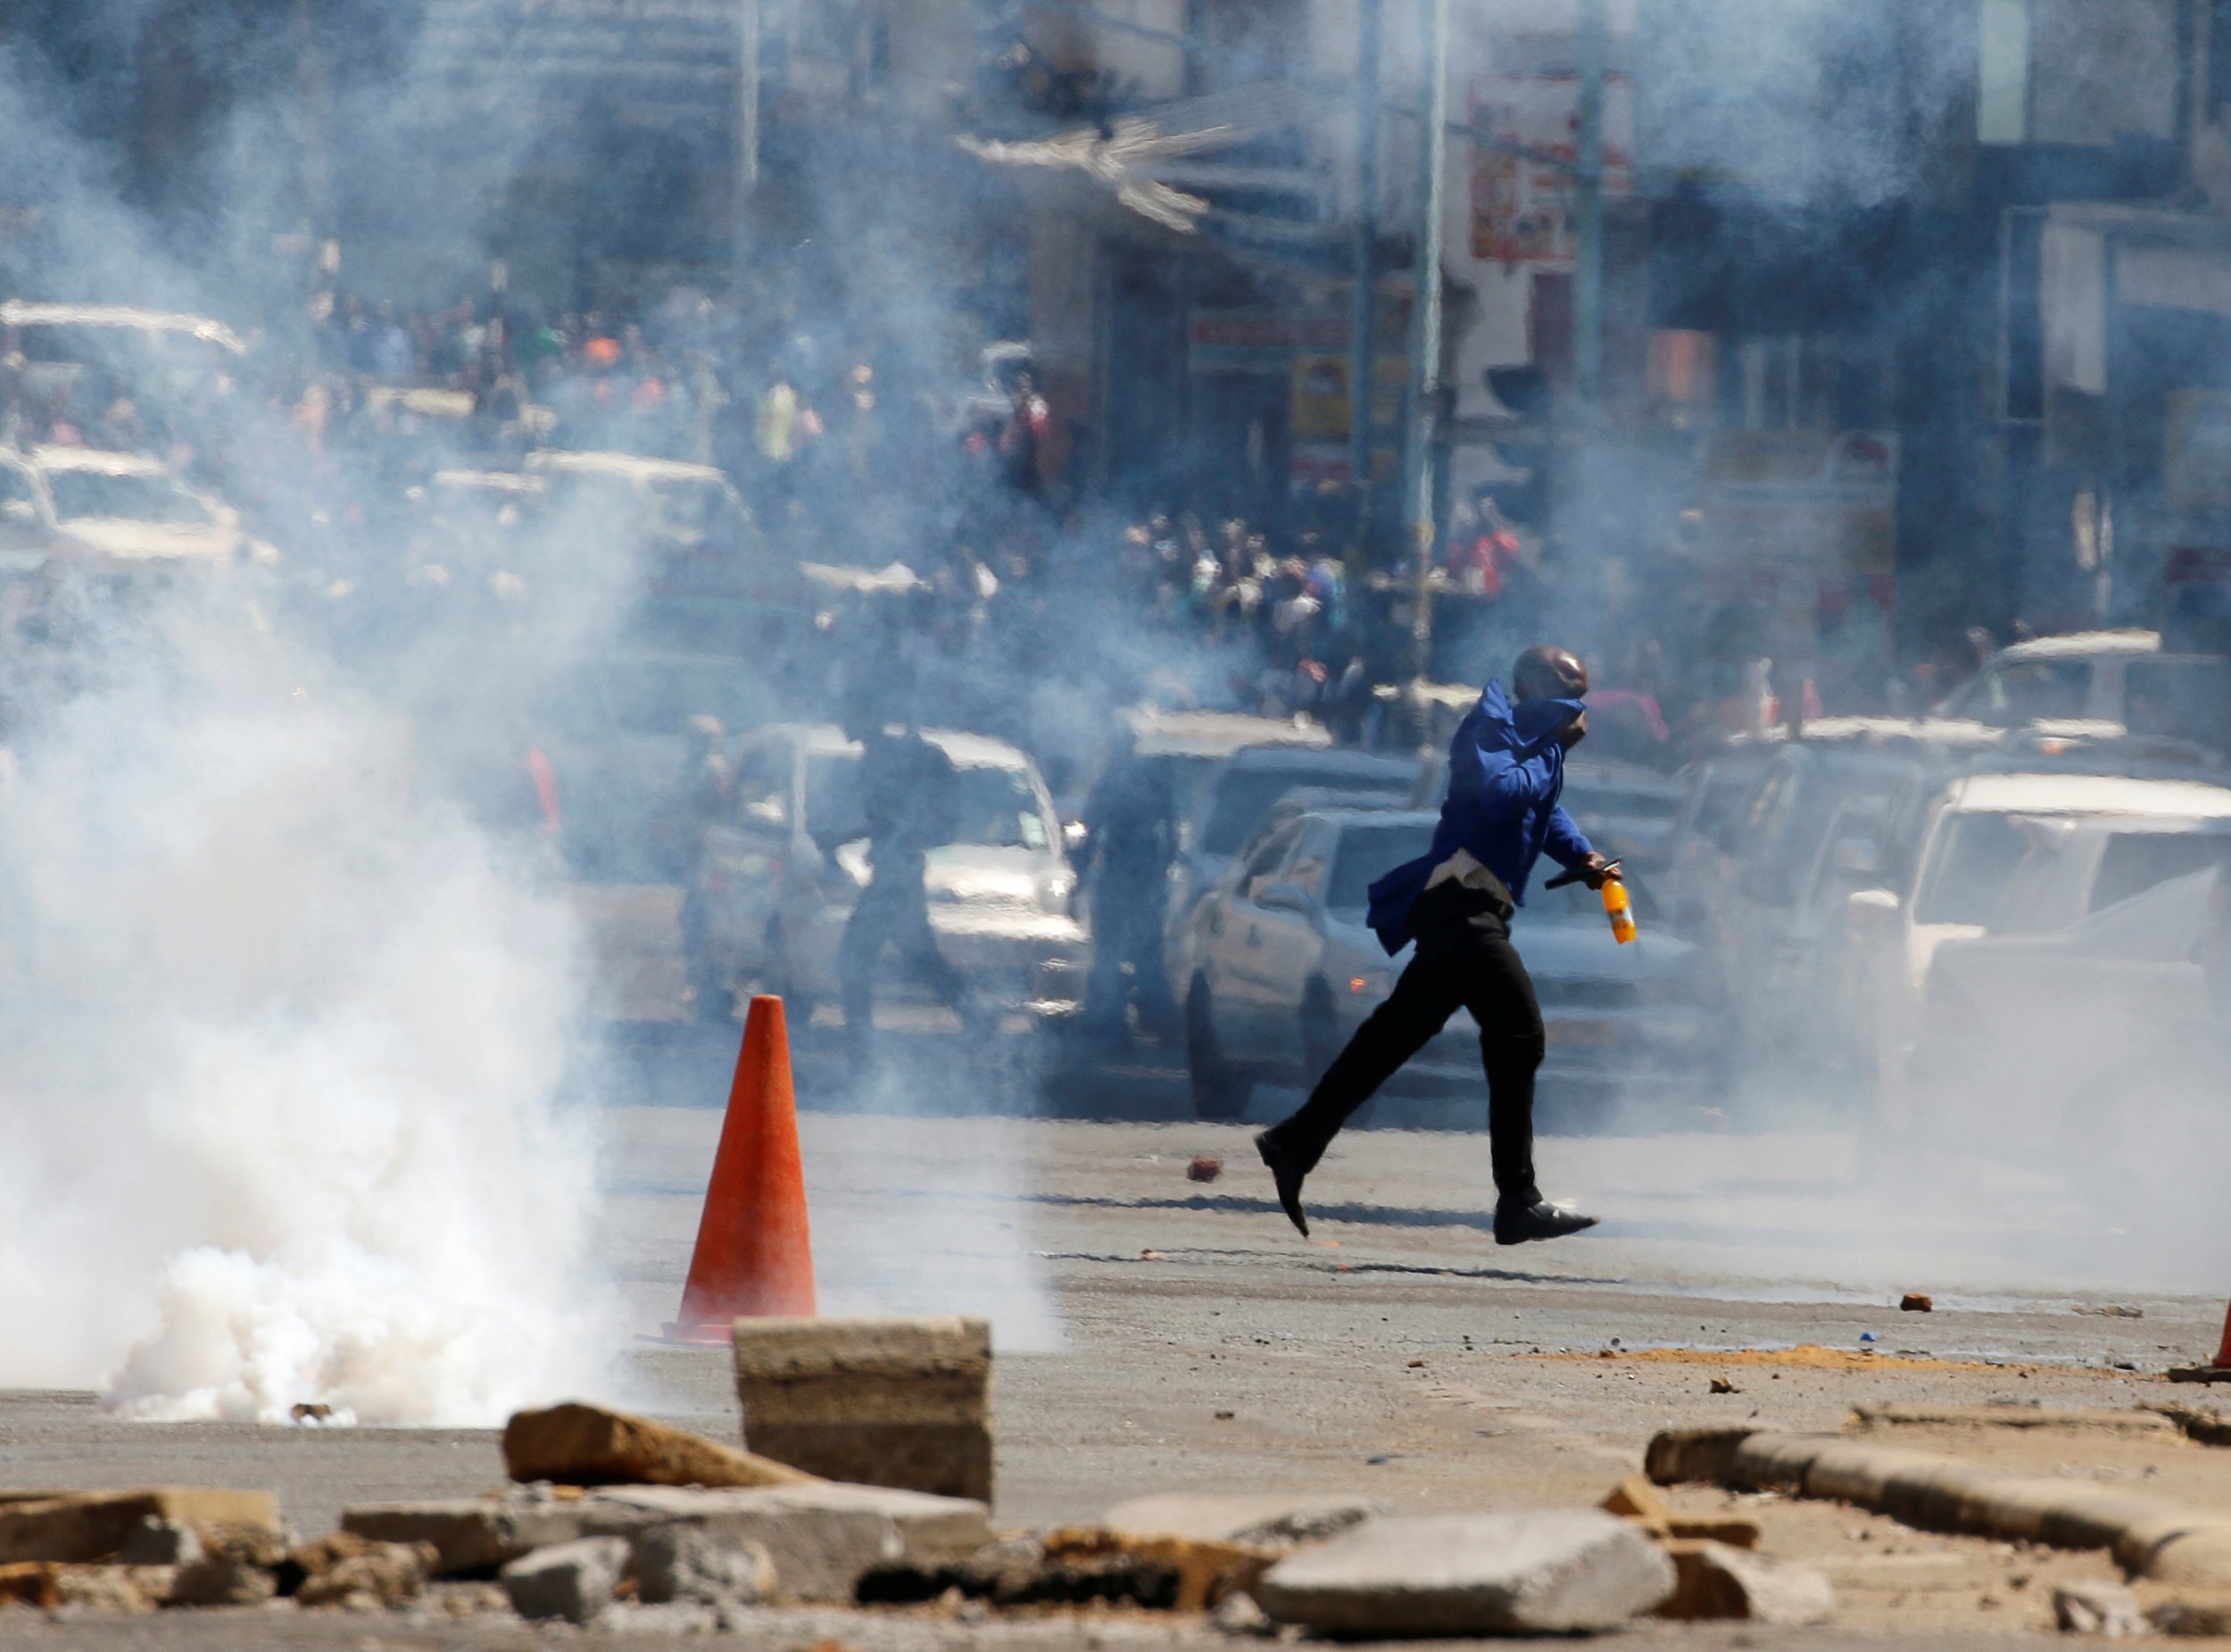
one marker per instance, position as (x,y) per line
(1220,1091)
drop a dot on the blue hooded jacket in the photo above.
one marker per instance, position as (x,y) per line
(1505,773)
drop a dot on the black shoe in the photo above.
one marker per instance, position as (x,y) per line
(1286,1175)
(1515,1224)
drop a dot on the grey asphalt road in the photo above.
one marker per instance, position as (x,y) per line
(1156,1333)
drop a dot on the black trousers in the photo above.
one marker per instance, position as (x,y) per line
(894,911)
(1127,910)
(1465,959)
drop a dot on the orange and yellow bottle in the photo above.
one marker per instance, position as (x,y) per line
(1620,908)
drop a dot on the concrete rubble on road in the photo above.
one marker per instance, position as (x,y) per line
(1718,1581)
(2104,1609)
(1543,1571)
(823,1536)
(2151,1537)
(583,1445)
(891,1402)
(678,1563)
(574,1581)
(90,1527)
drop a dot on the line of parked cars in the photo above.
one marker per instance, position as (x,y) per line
(1992,927)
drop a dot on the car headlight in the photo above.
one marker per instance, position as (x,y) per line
(1054,892)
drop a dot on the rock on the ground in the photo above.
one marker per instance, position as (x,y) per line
(1715,1580)
(581,1445)
(468,1534)
(1677,1454)
(2205,1614)
(1253,1520)
(54,1586)
(1543,1571)
(1239,1615)
(1636,1499)
(2106,1609)
(222,1580)
(570,1581)
(884,1402)
(823,1538)
(85,1527)
(688,1564)
(354,1573)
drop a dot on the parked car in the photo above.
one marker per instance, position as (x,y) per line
(1279,970)
(2104,1039)
(114,512)
(781,870)
(2007,853)
(2124,677)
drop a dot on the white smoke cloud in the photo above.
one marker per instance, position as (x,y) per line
(281,1115)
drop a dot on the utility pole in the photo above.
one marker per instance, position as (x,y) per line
(1363,316)
(1425,325)
(747,162)
(1591,49)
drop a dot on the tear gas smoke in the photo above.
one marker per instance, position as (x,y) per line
(286,1036)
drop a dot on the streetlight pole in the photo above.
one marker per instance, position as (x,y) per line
(1425,325)
(1363,314)
(1591,48)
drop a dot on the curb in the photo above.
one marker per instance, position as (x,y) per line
(2151,1537)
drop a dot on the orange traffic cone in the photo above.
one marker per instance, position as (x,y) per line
(754,1256)
(2220,1371)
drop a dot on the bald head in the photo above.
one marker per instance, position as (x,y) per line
(1547,673)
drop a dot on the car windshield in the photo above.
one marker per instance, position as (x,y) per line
(1366,854)
(2026,690)
(136,497)
(993,808)
(1244,796)
(1972,863)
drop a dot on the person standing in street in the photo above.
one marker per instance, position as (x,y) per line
(1506,770)
(909,803)
(1130,838)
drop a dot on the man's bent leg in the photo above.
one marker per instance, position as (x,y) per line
(1424,997)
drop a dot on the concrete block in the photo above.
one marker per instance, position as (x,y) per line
(1251,1519)
(87,1527)
(822,1538)
(2106,1609)
(1546,1572)
(468,1534)
(48,1585)
(570,1581)
(1715,1580)
(1678,1454)
(886,1402)
(688,1564)
(581,1445)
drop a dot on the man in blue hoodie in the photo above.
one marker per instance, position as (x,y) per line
(1506,772)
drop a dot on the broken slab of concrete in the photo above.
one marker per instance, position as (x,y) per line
(89,1527)
(822,1538)
(678,1563)
(572,1581)
(1543,1571)
(888,1402)
(1250,1519)
(583,1445)
(1715,1580)
(356,1573)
